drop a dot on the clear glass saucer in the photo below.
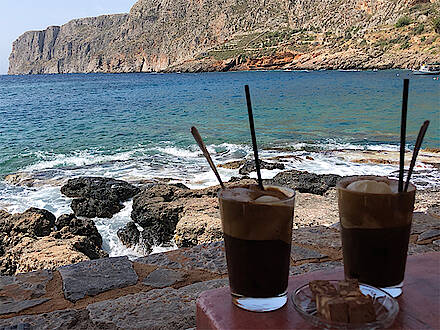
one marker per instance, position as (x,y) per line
(386,308)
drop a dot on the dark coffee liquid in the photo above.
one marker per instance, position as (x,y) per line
(376,256)
(257,269)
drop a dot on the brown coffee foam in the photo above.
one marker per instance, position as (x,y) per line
(244,218)
(373,210)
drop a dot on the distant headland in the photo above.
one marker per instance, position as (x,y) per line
(214,35)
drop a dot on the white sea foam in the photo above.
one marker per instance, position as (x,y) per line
(185,165)
(108,229)
(79,158)
(180,152)
(17,199)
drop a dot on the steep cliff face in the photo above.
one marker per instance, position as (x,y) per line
(194,35)
(78,46)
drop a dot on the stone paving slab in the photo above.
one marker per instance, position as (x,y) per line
(58,320)
(319,237)
(210,257)
(159,259)
(429,234)
(422,222)
(416,248)
(10,305)
(156,309)
(21,291)
(161,278)
(299,253)
(96,276)
(314,266)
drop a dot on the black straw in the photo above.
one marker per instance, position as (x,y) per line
(416,151)
(254,139)
(403,132)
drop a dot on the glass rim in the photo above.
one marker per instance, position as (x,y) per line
(345,181)
(289,198)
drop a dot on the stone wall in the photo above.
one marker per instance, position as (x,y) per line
(158,291)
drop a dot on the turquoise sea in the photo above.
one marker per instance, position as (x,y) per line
(137,126)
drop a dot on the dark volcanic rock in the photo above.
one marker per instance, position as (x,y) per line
(305,182)
(249,166)
(98,197)
(80,227)
(88,248)
(129,234)
(156,210)
(91,207)
(96,186)
(33,221)
(5,222)
(28,241)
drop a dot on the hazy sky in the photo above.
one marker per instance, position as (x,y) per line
(19,16)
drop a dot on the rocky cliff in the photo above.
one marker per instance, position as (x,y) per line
(214,35)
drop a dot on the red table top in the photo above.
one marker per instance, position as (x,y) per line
(419,303)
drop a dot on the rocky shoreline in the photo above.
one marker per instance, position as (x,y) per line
(54,273)
(161,213)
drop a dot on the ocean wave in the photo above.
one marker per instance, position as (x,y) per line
(42,181)
(187,164)
(48,160)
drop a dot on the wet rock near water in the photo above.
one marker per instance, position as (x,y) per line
(249,166)
(33,221)
(192,217)
(199,222)
(69,223)
(97,196)
(156,210)
(160,207)
(129,234)
(35,240)
(168,211)
(305,182)
(48,253)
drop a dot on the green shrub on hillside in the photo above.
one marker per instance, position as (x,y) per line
(403,21)
(436,23)
(419,29)
(405,45)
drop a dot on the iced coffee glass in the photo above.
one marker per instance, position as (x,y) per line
(257,229)
(375,230)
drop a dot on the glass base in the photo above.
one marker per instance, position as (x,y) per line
(395,290)
(260,304)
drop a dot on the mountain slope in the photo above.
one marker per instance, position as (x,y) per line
(208,35)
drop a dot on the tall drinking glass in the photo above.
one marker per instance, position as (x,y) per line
(375,230)
(257,229)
